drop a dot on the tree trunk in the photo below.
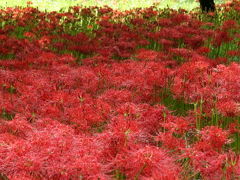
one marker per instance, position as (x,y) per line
(207,5)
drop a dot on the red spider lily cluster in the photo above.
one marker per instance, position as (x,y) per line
(94,93)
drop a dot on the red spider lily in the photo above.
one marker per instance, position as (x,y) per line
(121,134)
(105,10)
(233,53)
(87,115)
(220,60)
(170,142)
(117,97)
(179,18)
(195,42)
(52,159)
(85,11)
(149,12)
(228,108)
(141,78)
(210,85)
(138,21)
(221,37)
(148,55)
(18,127)
(208,163)
(165,22)
(238,167)
(147,162)
(229,24)
(203,50)
(185,53)
(98,59)
(3,37)
(177,125)
(214,137)
(166,43)
(103,118)
(152,119)
(171,33)
(187,73)
(203,156)
(44,41)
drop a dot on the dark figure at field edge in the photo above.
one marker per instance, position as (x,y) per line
(207,5)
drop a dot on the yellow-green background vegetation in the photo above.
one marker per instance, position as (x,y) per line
(55,5)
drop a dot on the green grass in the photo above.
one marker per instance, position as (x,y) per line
(56,5)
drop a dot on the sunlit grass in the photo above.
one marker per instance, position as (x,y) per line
(56,5)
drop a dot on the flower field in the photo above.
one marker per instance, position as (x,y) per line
(100,94)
